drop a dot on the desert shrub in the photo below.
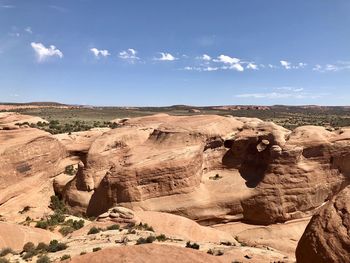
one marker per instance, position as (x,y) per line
(145,226)
(66,230)
(131,231)
(75,224)
(64,257)
(55,219)
(113,227)
(57,205)
(149,239)
(42,247)
(4,260)
(24,210)
(161,238)
(70,170)
(43,259)
(29,246)
(216,177)
(94,230)
(193,246)
(29,254)
(82,253)
(210,251)
(5,251)
(55,246)
(96,249)
(42,224)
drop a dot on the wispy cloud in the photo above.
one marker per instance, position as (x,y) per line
(59,8)
(7,6)
(165,57)
(252,66)
(43,52)
(100,52)
(285,64)
(129,55)
(205,57)
(282,93)
(29,30)
(229,62)
(338,66)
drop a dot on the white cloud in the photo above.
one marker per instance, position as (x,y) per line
(227,59)
(252,66)
(7,6)
(290,89)
(338,66)
(237,67)
(301,65)
(317,67)
(165,57)
(278,95)
(205,57)
(100,52)
(28,29)
(231,62)
(43,52)
(210,69)
(129,55)
(282,93)
(285,64)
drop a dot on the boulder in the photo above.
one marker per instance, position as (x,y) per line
(327,236)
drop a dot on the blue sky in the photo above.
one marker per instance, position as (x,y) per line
(162,52)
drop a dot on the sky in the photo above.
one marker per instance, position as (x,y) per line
(162,52)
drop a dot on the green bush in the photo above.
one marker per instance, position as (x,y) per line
(5,251)
(55,246)
(96,249)
(76,224)
(193,246)
(42,224)
(43,259)
(161,238)
(94,230)
(113,227)
(149,239)
(64,257)
(29,254)
(24,210)
(66,230)
(145,226)
(42,247)
(57,205)
(70,170)
(29,246)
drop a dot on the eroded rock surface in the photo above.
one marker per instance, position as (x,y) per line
(28,159)
(212,169)
(327,237)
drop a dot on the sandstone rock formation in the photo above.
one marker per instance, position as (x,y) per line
(28,159)
(212,169)
(15,236)
(148,253)
(327,237)
(8,120)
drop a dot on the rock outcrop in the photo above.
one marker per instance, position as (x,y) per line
(148,253)
(327,237)
(15,236)
(28,159)
(212,169)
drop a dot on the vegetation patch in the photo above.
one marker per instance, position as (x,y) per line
(192,245)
